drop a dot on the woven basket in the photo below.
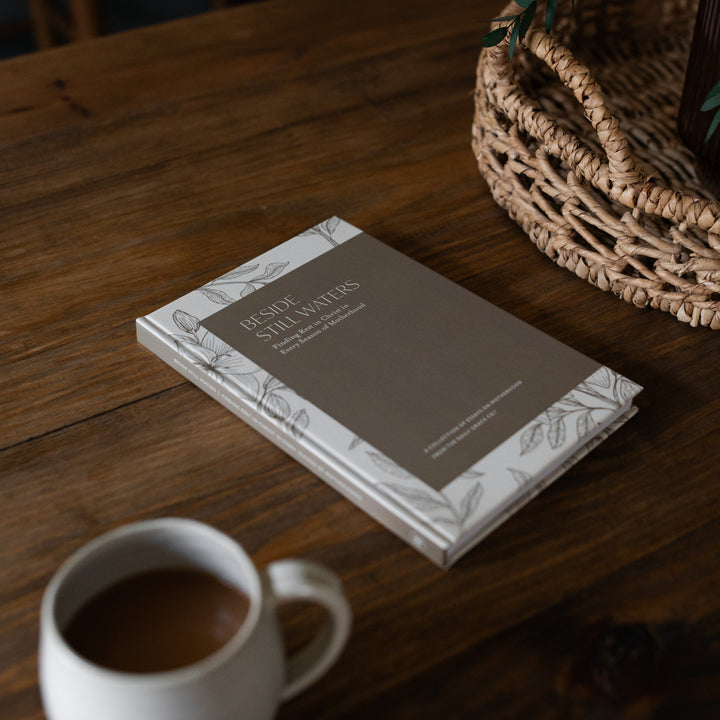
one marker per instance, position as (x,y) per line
(589,163)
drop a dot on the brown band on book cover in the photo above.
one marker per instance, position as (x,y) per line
(423,370)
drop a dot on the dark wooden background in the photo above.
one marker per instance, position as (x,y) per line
(136,167)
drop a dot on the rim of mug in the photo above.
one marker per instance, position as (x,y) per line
(254,591)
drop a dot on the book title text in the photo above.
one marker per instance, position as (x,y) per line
(287,312)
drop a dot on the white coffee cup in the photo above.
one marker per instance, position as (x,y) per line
(245,679)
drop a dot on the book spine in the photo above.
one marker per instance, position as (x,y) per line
(362,495)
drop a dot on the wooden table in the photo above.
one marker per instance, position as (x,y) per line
(136,167)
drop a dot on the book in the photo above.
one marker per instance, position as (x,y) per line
(434,411)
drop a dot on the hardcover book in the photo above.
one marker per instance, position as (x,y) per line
(434,411)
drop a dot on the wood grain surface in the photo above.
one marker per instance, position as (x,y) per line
(134,168)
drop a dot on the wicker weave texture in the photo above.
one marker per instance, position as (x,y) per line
(581,150)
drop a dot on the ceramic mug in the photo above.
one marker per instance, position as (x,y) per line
(246,678)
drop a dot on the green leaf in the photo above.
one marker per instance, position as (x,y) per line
(715,90)
(525,4)
(514,37)
(713,126)
(712,100)
(494,37)
(528,17)
(550,15)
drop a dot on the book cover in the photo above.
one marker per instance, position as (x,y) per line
(434,411)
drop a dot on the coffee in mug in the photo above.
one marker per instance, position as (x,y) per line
(169,619)
(157,620)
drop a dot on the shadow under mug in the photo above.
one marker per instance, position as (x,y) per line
(246,678)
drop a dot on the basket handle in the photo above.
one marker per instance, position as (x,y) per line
(617,166)
(577,77)
(618,176)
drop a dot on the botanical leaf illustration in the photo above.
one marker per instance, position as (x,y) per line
(185,344)
(271,271)
(217,296)
(556,433)
(592,389)
(272,383)
(190,345)
(237,277)
(417,498)
(325,230)
(520,476)
(555,411)
(469,503)
(388,466)
(215,345)
(210,352)
(298,423)
(602,378)
(248,385)
(214,356)
(624,390)
(233,365)
(531,438)
(239,272)
(603,392)
(186,321)
(571,403)
(276,407)
(585,424)
(451,521)
(472,474)
(331,225)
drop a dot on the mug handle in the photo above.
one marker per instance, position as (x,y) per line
(305,580)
